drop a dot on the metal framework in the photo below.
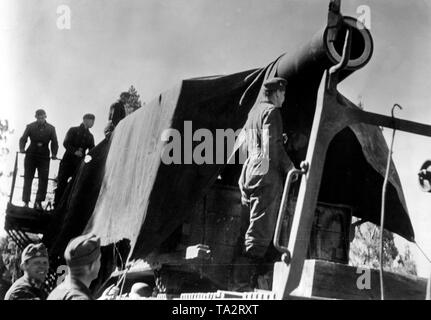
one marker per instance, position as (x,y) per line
(334,112)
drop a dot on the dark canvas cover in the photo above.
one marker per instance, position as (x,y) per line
(127,192)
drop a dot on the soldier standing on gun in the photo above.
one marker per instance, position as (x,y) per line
(117,112)
(78,141)
(261,180)
(41,133)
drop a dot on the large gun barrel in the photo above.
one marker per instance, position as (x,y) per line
(304,69)
(325,50)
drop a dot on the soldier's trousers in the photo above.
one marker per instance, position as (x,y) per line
(31,163)
(263,204)
(66,170)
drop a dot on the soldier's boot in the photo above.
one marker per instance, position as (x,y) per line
(245,274)
(265,275)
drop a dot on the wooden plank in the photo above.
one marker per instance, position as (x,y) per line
(338,281)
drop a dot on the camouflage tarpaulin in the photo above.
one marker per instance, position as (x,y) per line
(145,200)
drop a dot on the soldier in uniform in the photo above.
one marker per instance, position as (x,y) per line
(117,112)
(82,256)
(41,133)
(78,141)
(31,286)
(261,180)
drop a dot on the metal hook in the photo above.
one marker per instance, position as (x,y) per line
(393,108)
(333,78)
(383,207)
(346,53)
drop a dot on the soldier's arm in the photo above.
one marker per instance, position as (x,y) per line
(108,129)
(23,139)
(54,143)
(273,125)
(68,141)
(91,146)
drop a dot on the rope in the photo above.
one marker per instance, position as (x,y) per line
(123,280)
(114,255)
(424,254)
(382,216)
(119,255)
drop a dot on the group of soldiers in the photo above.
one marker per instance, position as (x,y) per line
(78,141)
(82,256)
(260,183)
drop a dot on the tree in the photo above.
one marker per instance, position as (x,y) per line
(6,167)
(10,256)
(365,251)
(6,170)
(8,252)
(405,263)
(5,132)
(134,102)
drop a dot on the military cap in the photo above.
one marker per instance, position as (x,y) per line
(40,112)
(275,83)
(89,116)
(82,250)
(33,250)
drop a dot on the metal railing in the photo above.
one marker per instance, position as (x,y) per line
(15,172)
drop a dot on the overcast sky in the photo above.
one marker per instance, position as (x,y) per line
(153,44)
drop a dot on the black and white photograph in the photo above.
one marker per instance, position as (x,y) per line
(215,154)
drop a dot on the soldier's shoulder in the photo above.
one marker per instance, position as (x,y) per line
(50,126)
(18,290)
(20,282)
(58,293)
(32,124)
(78,295)
(63,292)
(74,129)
